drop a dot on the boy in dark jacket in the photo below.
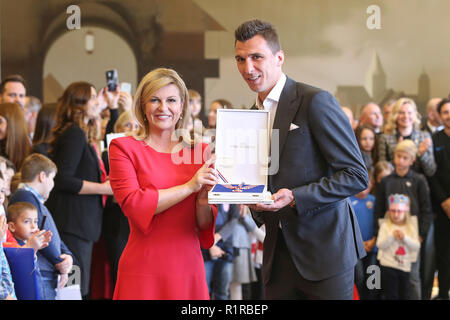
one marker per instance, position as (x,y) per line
(38,173)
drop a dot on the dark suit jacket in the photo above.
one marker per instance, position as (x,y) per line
(76,160)
(321,163)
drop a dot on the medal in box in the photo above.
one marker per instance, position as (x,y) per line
(242,153)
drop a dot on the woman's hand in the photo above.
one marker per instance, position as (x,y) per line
(216,252)
(125,100)
(111,97)
(424,146)
(204,177)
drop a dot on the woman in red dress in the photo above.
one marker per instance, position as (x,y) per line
(161,184)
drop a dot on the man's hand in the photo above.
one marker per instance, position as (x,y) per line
(64,266)
(281,199)
(63,280)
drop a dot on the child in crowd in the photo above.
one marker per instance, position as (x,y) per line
(37,175)
(398,243)
(382,169)
(404,180)
(363,204)
(365,135)
(195,107)
(6,283)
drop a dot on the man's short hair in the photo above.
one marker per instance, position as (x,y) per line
(34,164)
(251,28)
(15,210)
(407,146)
(443,101)
(11,78)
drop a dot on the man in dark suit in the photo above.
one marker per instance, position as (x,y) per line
(312,235)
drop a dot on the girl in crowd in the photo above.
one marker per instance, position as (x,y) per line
(365,135)
(14,140)
(398,247)
(45,122)
(380,170)
(76,200)
(195,107)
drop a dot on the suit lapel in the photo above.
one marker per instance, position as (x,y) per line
(286,111)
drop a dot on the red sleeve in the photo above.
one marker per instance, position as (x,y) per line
(11,242)
(138,203)
(207,236)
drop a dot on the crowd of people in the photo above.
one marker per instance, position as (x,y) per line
(405,156)
(133,220)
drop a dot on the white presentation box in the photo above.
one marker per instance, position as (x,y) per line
(242,157)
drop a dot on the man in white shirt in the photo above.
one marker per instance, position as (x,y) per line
(312,237)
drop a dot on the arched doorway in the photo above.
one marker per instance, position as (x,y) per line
(67,61)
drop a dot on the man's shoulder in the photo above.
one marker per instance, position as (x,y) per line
(303,88)
(440,136)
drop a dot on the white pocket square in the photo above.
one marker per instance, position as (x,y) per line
(293,127)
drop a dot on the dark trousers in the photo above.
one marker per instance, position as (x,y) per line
(427,263)
(286,283)
(394,283)
(82,257)
(361,277)
(254,290)
(442,242)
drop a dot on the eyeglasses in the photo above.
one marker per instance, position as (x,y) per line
(397,211)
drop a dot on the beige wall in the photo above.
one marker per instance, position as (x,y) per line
(327,43)
(67,61)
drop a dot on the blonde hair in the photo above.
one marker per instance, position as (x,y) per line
(411,227)
(407,146)
(149,85)
(125,117)
(391,125)
(194,94)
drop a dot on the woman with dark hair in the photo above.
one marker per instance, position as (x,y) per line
(76,201)
(45,122)
(14,141)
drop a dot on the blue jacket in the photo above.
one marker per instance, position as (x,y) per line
(49,256)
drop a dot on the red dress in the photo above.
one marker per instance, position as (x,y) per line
(162,259)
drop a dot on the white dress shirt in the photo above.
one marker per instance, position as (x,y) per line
(270,103)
